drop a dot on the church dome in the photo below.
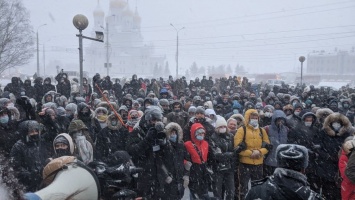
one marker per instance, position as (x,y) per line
(120,4)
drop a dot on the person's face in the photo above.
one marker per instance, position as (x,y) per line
(279,122)
(254,116)
(48,98)
(252,95)
(308,119)
(232,125)
(177,108)
(165,107)
(61,146)
(136,106)
(191,114)
(147,104)
(298,109)
(33,132)
(199,115)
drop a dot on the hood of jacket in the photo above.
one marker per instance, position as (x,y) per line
(193,129)
(337,117)
(109,120)
(170,127)
(247,115)
(322,112)
(70,140)
(276,115)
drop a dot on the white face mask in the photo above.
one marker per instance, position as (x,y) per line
(336,126)
(308,124)
(268,114)
(222,130)
(10,105)
(297,113)
(254,122)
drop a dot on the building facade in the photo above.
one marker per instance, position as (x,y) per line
(331,64)
(123,48)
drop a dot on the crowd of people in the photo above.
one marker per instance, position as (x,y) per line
(211,136)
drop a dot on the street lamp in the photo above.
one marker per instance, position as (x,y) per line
(108,64)
(81,22)
(177,49)
(301,59)
(38,49)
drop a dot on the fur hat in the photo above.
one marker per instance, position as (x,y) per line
(292,156)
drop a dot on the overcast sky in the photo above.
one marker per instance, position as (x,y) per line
(263,36)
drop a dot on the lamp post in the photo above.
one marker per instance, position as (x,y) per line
(301,59)
(81,22)
(38,48)
(177,49)
(107,46)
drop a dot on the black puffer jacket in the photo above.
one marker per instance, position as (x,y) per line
(28,158)
(110,139)
(221,156)
(284,184)
(143,156)
(48,86)
(89,120)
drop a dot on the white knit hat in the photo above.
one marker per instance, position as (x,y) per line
(220,121)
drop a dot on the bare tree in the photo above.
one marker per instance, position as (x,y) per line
(16,35)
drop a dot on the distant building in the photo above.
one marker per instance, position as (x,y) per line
(125,49)
(330,65)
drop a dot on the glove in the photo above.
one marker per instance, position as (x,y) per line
(168,180)
(188,165)
(255,155)
(186,181)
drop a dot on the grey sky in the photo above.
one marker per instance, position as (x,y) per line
(263,36)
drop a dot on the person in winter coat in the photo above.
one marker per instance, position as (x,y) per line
(266,115)
(133,119)
(174,153)
(117,90)
(47,85)
(8,136)
(198,118)
(277,133)
(347,186)
(39,92)
(30,91)
(251,157)
(336,129)
(178,115)
(63,145)
(110,139)
(222,159)
(240,120)
(288,180)
(14,87)
(144,145)
(29,155)
(199,176)
(52,127)
(101,114)
(64,86)
(84,148)
(86,115)
(321,114)
(295,119)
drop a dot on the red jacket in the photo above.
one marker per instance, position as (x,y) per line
(202,146)
(347,188)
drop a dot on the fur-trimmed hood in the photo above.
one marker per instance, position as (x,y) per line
(342,119)
(323,112)
(109,120)
(172,125)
